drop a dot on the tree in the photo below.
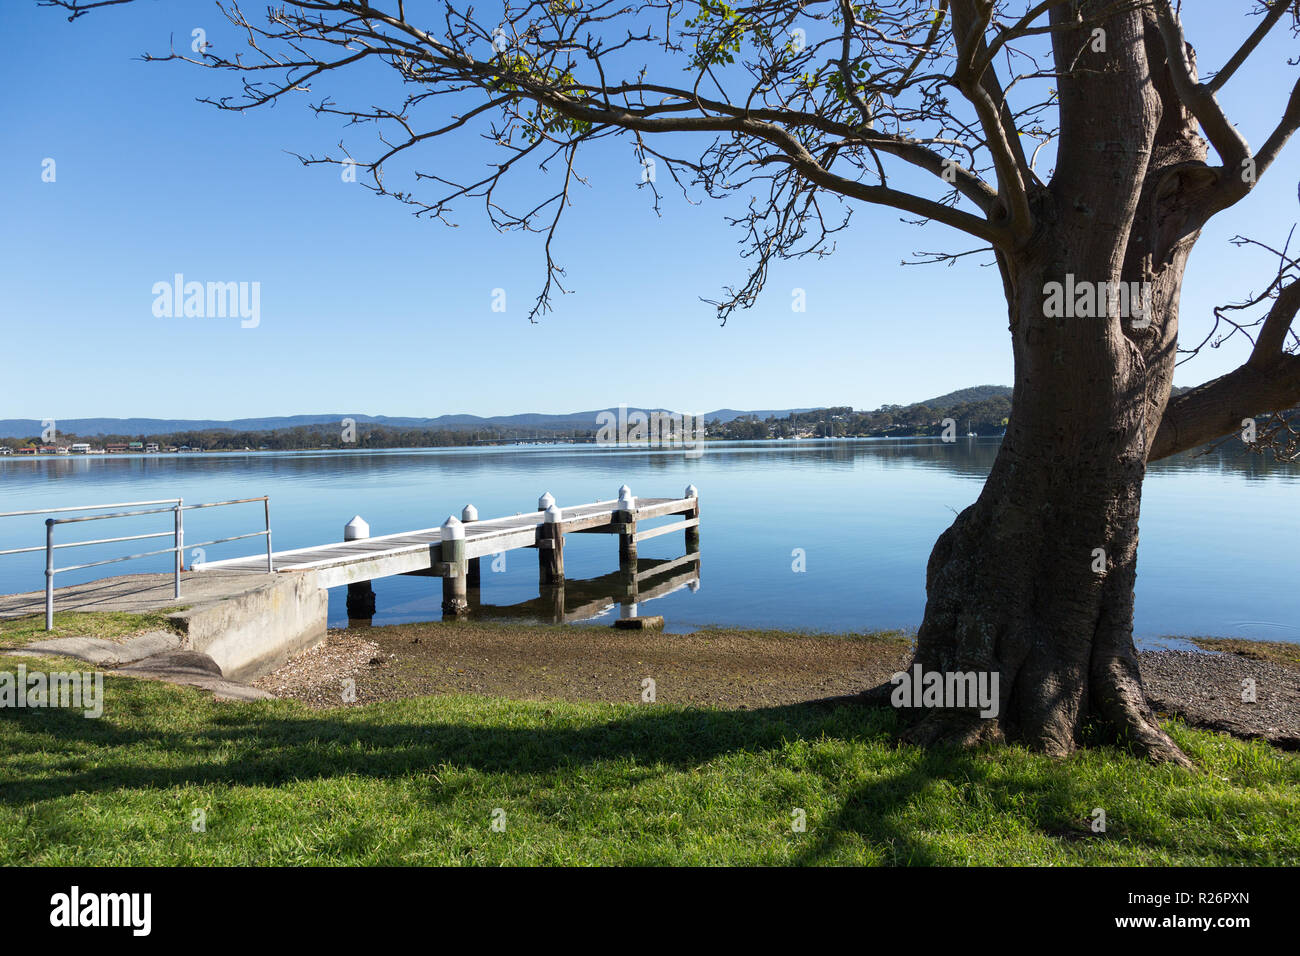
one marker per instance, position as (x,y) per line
(817,108)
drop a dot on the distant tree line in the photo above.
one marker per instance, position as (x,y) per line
(984,416)
(983,410)
(306,437)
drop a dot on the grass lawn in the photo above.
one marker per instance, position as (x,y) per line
(417,782)
(105,625)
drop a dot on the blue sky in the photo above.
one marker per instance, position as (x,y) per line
(366,309)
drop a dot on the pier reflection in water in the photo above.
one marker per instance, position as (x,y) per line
(573,600)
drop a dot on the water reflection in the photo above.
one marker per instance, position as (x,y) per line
(1218,552)
(967,457)
(575,600)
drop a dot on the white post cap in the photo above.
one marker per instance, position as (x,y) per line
(470,513)
(545,501)
(553,514)
(625,501)
(624,490)
(692,491)
(452,529)
(356,528)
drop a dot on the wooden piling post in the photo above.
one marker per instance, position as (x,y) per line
(550,548)
(552,596)
(628,599)
(468,515)
(625,518)
(693,533)
(455,580)
(361,594)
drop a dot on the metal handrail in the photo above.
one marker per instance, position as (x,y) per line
(177,534)
(120,504)
(117,514)
(129,537)
(53,511)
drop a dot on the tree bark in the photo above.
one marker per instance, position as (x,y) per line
(1034,581)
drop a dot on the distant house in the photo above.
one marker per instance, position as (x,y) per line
(80,448)
(60,449)
(6,450)
(27,450)
(151,448)
(115,448)
(136,446)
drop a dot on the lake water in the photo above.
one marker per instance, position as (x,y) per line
(1220,548)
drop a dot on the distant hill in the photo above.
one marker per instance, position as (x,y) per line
(963,396)
(960,401)
(17,427)
(981,393)
(535,421)
(731,414)
(981,410)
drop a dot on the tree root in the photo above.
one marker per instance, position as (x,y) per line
(1120,700)
(1121,707)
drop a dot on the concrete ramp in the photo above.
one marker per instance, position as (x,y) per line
(254,631)
(193,670)
(248,624)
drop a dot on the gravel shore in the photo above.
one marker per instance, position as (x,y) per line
(1206,690)
(722,668)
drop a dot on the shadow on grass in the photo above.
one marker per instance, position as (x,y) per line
(252,748)
(262,746)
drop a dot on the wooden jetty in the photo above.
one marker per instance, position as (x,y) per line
(453,550)
(251,614)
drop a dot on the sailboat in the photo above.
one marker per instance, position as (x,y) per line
(969,433)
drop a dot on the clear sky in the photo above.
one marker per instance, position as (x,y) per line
(366,309)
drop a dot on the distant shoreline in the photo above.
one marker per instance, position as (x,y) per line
(520,443)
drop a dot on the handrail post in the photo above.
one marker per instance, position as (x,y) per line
(266,503)
(179,541)
(49,574)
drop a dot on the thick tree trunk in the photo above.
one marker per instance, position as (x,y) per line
(1035,580)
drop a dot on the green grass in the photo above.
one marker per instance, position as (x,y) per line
(416,782)
(106,625)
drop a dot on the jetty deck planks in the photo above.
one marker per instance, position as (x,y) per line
(420,551)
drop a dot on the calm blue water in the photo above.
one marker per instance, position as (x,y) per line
(1218,556)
